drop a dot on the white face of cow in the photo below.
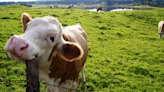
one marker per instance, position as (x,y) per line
(40,36)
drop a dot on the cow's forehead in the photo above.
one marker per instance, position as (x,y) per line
(46,25)
(42,28)
(45,20)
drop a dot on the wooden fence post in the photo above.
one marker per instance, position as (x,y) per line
(32,74)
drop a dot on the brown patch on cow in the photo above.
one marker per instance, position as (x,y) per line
(162,30)
(24,20)
(60,68)
(67,38)
(50,56)
(99,8)
(70,6)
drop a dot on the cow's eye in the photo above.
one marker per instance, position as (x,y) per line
(52,39)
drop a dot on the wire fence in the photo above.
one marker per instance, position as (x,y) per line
(51,85)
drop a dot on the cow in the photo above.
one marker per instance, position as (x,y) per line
(61,51)
(70,6)
(99,8)
(51,7)
(160,29)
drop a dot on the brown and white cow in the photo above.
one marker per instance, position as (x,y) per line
(99,8)
(70,6)
(61,52)
(160,29)
(51,7)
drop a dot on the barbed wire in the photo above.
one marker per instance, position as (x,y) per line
(51,85)
(68,88)
(10,80)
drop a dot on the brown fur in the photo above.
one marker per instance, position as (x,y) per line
(51,7)
(60,68)
(162,28)
(99,8)
(52,53)
(24,20)
(70,6)
(67,38)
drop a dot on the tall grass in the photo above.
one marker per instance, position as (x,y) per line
(125,53)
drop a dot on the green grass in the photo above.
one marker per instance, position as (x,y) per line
(125,53)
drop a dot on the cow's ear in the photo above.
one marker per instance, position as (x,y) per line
(24,20)
(71,52)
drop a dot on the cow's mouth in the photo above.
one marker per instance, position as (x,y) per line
(36,58)
(13,56)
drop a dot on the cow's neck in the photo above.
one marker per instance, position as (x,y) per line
(61,69)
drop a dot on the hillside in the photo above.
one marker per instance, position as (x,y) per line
(125,53)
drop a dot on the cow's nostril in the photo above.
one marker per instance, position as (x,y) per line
(23,48)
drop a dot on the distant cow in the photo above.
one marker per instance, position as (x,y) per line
(99,8)
(160,29)
(62,52)
(51,6)
(29,5)
(70,6)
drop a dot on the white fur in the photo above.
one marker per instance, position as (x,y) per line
(83,74)
(160,25)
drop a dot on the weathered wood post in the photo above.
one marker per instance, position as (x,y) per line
(32,74)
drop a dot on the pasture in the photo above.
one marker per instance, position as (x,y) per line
(125,53)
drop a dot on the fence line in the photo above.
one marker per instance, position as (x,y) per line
(52,85)
(67,88)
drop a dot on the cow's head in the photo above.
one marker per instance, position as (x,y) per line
(41,36)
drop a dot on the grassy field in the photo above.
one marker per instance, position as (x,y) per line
(125,53)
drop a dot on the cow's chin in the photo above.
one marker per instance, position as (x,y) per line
(20,59)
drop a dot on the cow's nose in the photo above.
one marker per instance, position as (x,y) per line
(17,46)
